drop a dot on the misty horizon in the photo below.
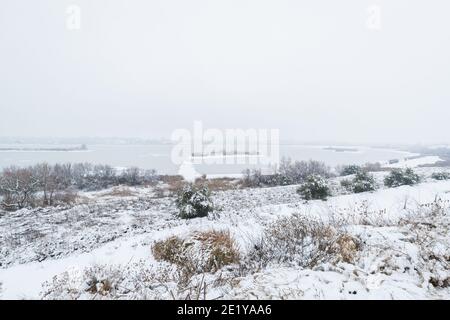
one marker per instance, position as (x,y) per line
(78,140)
(315,71)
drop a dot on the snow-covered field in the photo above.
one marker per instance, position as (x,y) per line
(402,233)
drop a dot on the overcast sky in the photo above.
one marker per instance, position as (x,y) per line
(313,69)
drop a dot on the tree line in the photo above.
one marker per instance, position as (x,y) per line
(48,185)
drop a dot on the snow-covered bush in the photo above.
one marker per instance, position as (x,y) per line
(297,240)
(252,178)
(440,176)
(349,170)
(362,182)
(401,177)
(194,201)
(315,187)
(432,222)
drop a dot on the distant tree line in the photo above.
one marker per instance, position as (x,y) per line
(288,172)
(47,185)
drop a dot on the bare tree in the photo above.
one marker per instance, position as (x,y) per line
(18,187)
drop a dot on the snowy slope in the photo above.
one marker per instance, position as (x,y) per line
(119,231)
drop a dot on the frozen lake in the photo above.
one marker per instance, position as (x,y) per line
(159,156)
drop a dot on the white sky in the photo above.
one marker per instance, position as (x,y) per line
(146,67)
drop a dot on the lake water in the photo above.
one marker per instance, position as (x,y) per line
(159,157)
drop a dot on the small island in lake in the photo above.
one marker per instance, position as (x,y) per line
(341,149)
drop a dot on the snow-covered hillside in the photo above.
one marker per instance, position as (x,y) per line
(399,246)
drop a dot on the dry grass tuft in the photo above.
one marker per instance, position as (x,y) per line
(201,252)
(218,184)
(119,192)
(297,240)
(346,248)
(221,247)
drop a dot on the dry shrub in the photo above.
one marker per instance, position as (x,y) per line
(160,192)
(304,242)
(429,227)
(102,287)
(440,283)
(346,248)
(201,252)
(174,183)
(172,250)
(194,201)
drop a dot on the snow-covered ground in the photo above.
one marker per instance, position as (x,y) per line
(403,232)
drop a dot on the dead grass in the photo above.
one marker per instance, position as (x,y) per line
(199,253)
(174,183)
(119,192)
(221,247)
(218,184)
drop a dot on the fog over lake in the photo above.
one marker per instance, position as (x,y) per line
(159,156)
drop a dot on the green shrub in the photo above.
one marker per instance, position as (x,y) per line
(363,182)
(440,176)
(194,202)
(315,187)
(350,169)
(401,177)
